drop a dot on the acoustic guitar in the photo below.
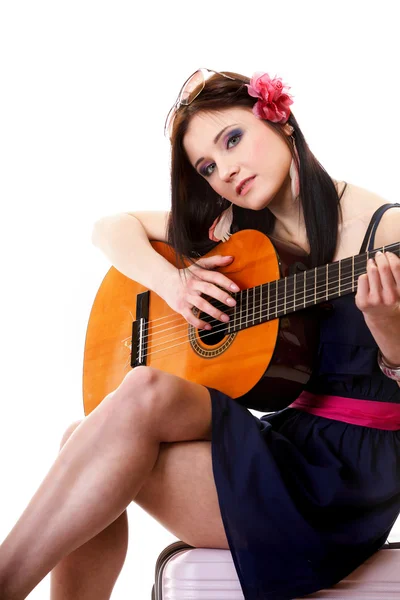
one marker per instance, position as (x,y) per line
(262,357)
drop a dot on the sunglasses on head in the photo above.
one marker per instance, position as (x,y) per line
(192,87)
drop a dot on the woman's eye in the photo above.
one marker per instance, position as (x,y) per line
(233,140)
(208,169)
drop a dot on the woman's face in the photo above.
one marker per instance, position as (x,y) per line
(233,146)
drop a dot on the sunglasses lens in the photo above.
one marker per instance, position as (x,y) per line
(192,88)
(169,121)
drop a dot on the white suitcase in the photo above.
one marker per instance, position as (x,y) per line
(186,573)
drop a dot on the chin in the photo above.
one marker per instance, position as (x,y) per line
(258,204)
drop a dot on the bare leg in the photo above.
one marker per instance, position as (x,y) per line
(99,471)
(96,475)
(90,572)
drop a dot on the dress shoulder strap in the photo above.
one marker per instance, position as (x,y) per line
(369,238)
(343,190)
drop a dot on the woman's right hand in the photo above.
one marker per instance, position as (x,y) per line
(185,291)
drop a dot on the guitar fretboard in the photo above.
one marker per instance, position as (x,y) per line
(301,290)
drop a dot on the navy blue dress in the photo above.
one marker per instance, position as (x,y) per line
(306,499)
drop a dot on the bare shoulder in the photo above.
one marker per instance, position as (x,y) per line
(388,231)
(154,223)
(358,205)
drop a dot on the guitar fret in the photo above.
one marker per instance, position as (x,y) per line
(346,270)
(294,291)
(290,294)
(319,284)
(284,302)
(273,299)
(309,287)
(298,290)
(327,283)
(333,278)
(315,285)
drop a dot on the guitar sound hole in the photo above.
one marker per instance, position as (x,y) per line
(217,333)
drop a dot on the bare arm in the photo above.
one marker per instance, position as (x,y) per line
(378,294)
(124,239)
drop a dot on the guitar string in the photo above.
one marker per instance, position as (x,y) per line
(330,265)
(151,351)
(274,308)
(219,305)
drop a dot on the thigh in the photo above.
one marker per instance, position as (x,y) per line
(180,494)
(171,409)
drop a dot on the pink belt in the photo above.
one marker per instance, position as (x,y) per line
(369,413)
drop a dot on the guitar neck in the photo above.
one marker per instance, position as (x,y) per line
(301,290)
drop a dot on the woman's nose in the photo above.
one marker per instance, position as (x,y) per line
(228,171)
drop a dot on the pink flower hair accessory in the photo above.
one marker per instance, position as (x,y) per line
(273,100)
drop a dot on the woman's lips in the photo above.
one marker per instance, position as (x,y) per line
(247,185)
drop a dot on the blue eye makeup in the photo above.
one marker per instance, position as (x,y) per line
(233,138)
(205,171)
(230,141)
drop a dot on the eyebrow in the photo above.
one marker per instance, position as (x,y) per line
(215,141)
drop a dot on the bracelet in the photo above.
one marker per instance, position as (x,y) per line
(389,370)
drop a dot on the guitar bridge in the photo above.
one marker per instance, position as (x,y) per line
(140,331)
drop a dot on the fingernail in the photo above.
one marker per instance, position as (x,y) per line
(234,287)
(231,301)
(225,318)
(377,253)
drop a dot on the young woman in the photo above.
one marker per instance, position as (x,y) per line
(301,497)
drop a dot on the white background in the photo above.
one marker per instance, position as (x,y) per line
(85,87)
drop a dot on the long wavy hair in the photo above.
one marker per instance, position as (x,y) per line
(195,205)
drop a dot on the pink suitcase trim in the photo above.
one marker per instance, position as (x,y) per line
(186,573)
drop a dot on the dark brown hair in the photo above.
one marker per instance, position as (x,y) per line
(195,205)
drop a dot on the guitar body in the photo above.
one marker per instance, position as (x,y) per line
(264,366)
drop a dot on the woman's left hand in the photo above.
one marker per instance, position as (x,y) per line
(378,293)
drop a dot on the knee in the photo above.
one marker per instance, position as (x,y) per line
(138,389)
(141,380)
(141,376)
(68,432)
